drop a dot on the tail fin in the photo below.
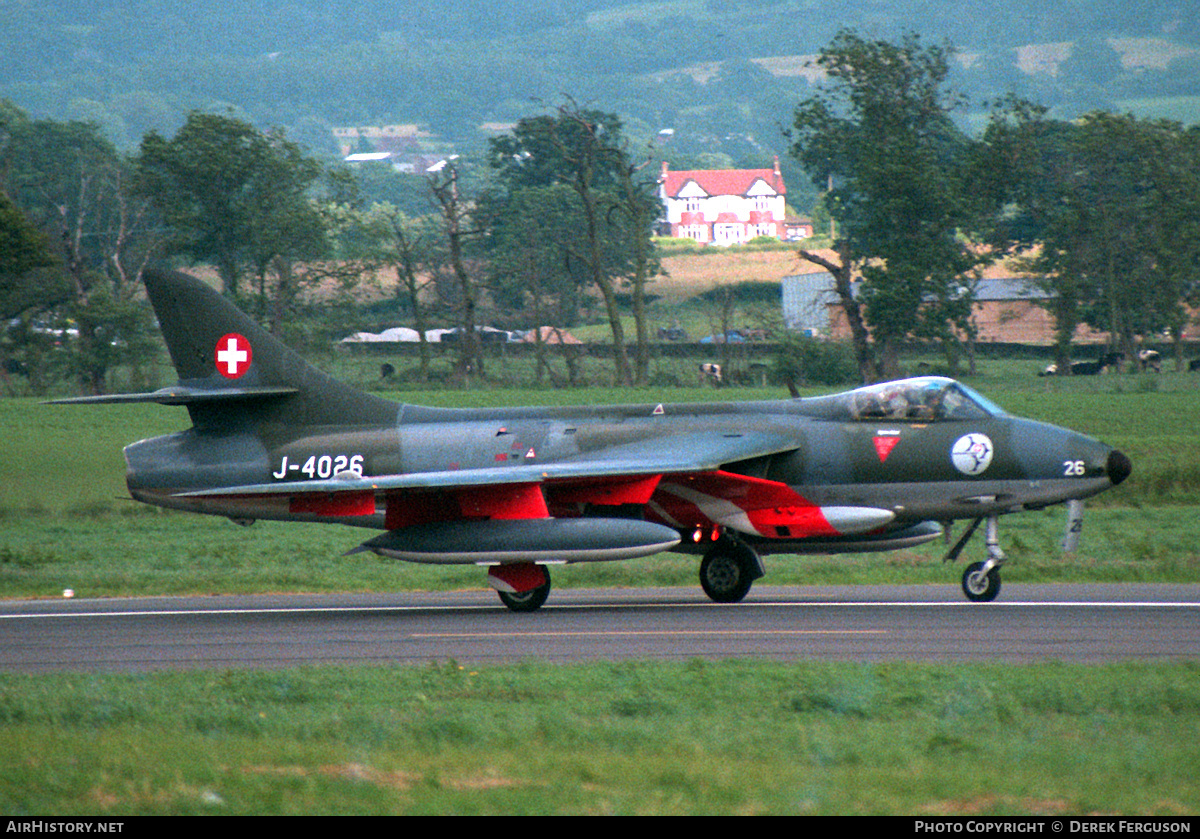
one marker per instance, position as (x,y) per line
(231,370)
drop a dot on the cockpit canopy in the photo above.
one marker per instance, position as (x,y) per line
(922,399)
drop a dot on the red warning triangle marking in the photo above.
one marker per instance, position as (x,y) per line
(884,446)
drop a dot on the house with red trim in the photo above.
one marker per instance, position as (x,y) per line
(723,206)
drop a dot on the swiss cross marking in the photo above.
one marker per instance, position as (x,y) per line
(233,355)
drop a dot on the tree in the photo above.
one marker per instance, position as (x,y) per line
(1127,229)
(584,150)
(1174,231)
(459,227)
(881,140)
(232,194)
(407,249)
(638,204)
(1025,161)
(530,270)
(1108,206)
(73,186)
(23,248)
(72,183)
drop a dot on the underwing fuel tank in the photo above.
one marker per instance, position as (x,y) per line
(524,540)
(888,540)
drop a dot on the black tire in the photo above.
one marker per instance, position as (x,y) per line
(979,587)
(526,601)
(726,573)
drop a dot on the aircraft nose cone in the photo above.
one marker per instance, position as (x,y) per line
(1119,466)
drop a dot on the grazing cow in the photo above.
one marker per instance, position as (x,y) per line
(711,372)
(1194,365)
(1151,360)
(1078,368)
(1086,368)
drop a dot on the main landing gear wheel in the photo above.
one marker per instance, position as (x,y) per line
(727,572)
(981,583)
(526,601)
(522,586)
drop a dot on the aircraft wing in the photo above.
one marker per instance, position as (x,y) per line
(676,454)
(689,480)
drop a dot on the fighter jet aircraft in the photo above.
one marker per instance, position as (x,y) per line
(518,489)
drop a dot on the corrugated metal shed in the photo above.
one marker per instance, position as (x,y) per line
(1008,288)
(806,300)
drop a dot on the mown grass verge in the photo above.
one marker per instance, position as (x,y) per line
(730,737)
(126,551)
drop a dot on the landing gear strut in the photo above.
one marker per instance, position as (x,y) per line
(981,580)
(728,570)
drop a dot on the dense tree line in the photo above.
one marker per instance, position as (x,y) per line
(557,213)
(81,221)
(1102,210)
(83,234)
(1107,210)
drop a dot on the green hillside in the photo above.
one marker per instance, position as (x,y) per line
(451,68)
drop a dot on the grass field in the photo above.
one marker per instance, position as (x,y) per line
(699,737)
(695,738)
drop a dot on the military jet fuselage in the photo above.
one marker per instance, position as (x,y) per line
(515,489)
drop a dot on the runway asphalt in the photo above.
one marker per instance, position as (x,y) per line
(1077,623)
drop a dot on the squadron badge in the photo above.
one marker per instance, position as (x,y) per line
(971,454)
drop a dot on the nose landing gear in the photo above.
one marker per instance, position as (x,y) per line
(981,580)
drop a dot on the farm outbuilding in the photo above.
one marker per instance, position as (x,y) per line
(807,299)
(1007,310)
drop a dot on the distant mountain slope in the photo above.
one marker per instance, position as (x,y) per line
(724,75)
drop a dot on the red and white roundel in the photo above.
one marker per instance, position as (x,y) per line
(233,355)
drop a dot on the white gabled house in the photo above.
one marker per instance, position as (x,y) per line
(723,206)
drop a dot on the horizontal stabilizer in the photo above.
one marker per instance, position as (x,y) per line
(524,540)
(180,395)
